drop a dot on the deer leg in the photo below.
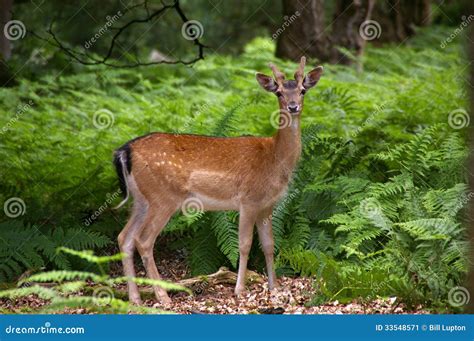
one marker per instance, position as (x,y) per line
(265,234)
(247,220)
(127,246)
(155,222)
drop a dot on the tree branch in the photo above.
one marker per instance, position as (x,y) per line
(87,59)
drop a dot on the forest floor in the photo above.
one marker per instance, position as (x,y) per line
(292,296)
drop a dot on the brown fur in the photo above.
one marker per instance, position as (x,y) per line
(248,174)
(249,170)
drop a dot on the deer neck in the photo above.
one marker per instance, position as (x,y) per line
(288,141)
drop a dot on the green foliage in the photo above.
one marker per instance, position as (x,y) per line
(379,192)
(27,248)
(225,227)
(409,222)
(336,280)
(90,257)
(205,254)
(71,289)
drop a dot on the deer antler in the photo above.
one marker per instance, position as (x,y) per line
(299,74)
(279,76)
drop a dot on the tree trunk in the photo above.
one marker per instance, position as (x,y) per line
(302,32)
(416,13)
(419,12)
(307,34)
(348,31)
(6,77)
(399,18)
(5,16)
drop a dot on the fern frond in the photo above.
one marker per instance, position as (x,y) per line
(168,286)
(60,276)
(227,123)
(205,255)
(226,231)
(41,292)
(429,229)
(89,256)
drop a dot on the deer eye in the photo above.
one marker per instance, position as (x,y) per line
(303,91)
(278,93)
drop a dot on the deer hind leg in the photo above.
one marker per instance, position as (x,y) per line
(265,234)
(155,222)
(127,246)
(247,220)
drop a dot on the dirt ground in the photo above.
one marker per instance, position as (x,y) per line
(293,296)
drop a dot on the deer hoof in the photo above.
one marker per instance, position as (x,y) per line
(238,291)
(135,300)
(163,298)
(273,284)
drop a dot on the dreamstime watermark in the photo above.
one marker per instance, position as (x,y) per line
(371,209)
(110,199)
(465,22)
(103,119)
(458,296)
(288,21)
(200,110)
(369,120)
(281,119)
(458,119)
(192,30)
(40,56)
(370,30)
(14,30)
(462,202)
(192,207)
(282,205)
(200,287)
(46,329)
(110,21)
(103,296)
(19,112)
(14,207)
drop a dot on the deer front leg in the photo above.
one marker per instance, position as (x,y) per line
(265,234)
(247,220)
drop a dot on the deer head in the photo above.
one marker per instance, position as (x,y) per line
(290,93)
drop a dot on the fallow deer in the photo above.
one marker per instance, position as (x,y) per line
(165,172)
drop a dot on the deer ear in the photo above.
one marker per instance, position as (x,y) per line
(266,82)
(312,78)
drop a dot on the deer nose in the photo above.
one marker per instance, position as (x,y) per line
(293,107)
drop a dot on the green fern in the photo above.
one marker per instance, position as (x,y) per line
(225,227)
(39,247)
(226,124)
(72,289)
(403,220)
(205,256)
